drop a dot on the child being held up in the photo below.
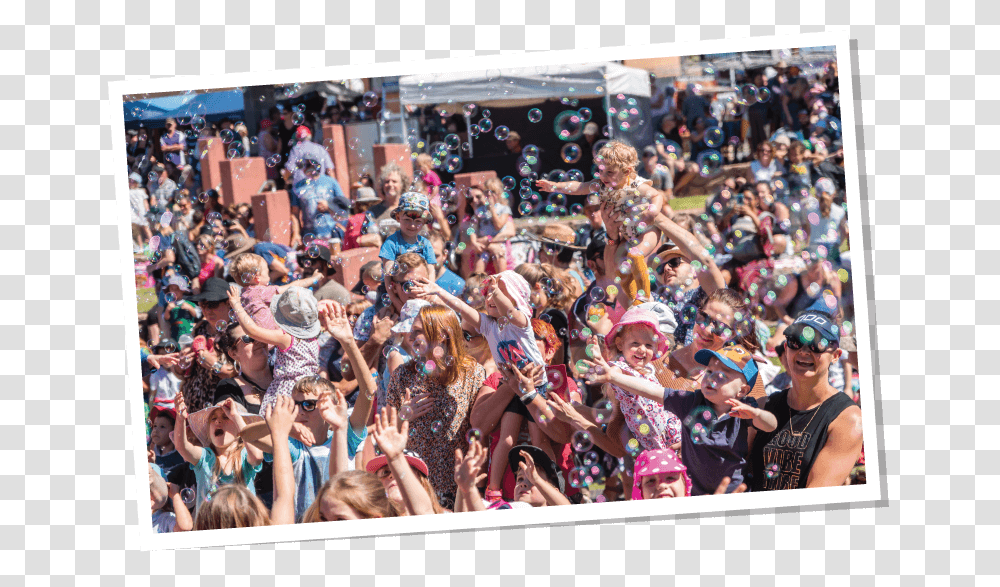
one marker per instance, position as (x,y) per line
(161,492)
(714,446)
(295,335)
(506,325)
(251,272)
(412,214)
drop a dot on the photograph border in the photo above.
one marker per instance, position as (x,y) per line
(866,495)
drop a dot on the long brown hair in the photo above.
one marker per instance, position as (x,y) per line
(360,490)
(442,327)
(232,506)
(744,328)
(561,295)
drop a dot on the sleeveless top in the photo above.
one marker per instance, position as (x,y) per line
(782,460)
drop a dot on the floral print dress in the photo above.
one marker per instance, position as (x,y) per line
(653,426)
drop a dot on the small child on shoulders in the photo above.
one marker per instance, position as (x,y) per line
(412,214)
(251,272)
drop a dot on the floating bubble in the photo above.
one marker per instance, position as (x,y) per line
(581,441)
(474,435)
(501,133)
(772,471)
(570,153)
(198,125)
(453,163)
(486,125)
(535,115)
(714,137)
(188,495)
(369,99)
(763,95)
(568,125)
(585,114)
(437,426)
(709,163)
(406,413)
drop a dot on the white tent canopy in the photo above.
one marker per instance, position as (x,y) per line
(524,84)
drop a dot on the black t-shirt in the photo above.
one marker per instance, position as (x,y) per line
(784,458)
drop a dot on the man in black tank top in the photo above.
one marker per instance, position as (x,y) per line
(818,438)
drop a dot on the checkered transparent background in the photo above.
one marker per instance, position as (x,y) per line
(928,100)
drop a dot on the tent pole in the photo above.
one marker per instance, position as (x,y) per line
(468,124)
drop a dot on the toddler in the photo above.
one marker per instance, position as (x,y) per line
(296,315)
(629,207)
(637,339)
(660,474)
(250,271)
(506,325)
(162,422)
(412,214)
(161,492)
(211,263)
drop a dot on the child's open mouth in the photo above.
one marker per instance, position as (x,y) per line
(219,433)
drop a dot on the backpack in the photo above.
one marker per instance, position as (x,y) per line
(186,255)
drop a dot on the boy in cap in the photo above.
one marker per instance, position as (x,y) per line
(714,441)
(412,214)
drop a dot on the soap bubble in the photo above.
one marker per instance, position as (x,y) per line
(714,137)
(568,125)
(370,99)
(406,413)
(188,495)
(570,153)
(581,441)
(474,435)
(501,133)
(585,114)
(486,125)
(535,115)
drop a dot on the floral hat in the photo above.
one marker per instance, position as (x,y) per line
(412,202)
(408,314)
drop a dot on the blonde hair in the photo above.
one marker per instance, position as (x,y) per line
(209,242)
(232,506)
(424,160)
(493,184)
(246,266)
(441,326)
(315,385)
(360,490)
(620,155)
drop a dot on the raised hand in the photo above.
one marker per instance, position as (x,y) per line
(469,465)
(280,416)
(545,185)
(738,409)
(234,297)
(390,433)
(423,287)
(598,369)
(528,467)
(333,409)
(181,405)
(337,323)
(301,432)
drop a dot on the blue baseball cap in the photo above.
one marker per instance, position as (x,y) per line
(820,319)
(735,357)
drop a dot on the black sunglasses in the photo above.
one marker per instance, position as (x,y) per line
(210,305)
(468,335)
(717,327)
(247,339)
(307,405)
(818,347)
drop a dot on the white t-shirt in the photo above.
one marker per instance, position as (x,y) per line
(827,230)
(485,221)
(164,386)
(510,344)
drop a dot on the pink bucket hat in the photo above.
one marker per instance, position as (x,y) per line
(518,289)
(637,315)
(651,462)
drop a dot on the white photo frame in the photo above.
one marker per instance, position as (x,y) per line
(856,495)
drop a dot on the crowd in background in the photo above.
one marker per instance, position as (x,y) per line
(637,350)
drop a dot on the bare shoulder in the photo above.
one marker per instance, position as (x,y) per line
(847,425)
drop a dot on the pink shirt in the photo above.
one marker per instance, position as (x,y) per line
(256,300)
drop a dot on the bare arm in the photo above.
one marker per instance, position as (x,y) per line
(278,338)
(570,188)
(390,434)
(843,448)
(190,452)
(333,318)
(693,250)
(258,435)
(467,475)
(333,409)
(370,240)
(499,296)
(279,418)
(425,287)
(182,515)
(305,282)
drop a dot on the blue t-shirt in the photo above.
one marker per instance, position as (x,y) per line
(451,283)
(269,251)
(311,466)
(203,474)
(717,449)
(307,194)
(395,246)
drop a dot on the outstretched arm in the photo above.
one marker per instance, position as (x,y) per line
(570,188)
(190,452)
(333,318)
(278,338)
(279,418)
(424,287)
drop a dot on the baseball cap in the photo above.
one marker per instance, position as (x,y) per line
(373,269)
(812,325)
(734,357)
(649,151)
(303,132)
(135,177)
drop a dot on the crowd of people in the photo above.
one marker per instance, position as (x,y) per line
(642,353)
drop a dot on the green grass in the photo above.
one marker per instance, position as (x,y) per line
(689,202)
(146,298)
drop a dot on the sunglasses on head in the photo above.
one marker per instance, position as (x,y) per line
(717,327)
(818,347)
(307,405)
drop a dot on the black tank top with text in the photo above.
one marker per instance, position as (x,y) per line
(783,460)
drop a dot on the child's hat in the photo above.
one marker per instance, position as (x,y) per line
(518,289)
(157,411)
(297,312)
(412,458)
(651,462)
(639,315)
(180,281)
(667,320)
(408,314)
(199,420)
(735,357)
(412,202)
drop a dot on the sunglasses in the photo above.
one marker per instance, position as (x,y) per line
(818,347)
(468,335)
(307,405)
(247,339)
(717,327)
(210,305)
